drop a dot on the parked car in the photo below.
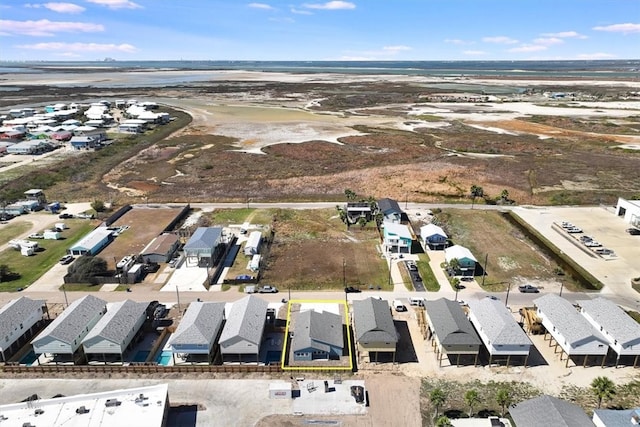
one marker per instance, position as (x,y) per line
(244,277)
(412,267)
(528,289)
(268,290)
(36,236)
(399,306)
(67,259)
(633,231)
(65,216)
(592,244)
(574,230)
(351,290)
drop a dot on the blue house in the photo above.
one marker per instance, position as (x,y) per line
(390,209)
(317,336)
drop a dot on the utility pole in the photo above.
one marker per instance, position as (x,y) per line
(484,269)
(561,286)
(344,273)
(178,295)
(64,291)
(506,300)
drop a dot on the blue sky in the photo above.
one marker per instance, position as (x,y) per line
(320,30)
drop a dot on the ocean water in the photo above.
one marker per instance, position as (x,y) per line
(609,68)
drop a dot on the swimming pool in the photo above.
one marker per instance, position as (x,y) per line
(164,358)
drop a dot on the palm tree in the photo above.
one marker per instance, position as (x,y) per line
(471,397)
(503,397)
(504,194)
(443,421)
(603,388)
(350,194)
(437,398)
(475,191)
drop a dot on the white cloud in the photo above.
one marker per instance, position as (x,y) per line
(331,5)
(565,35)
(499,40)
(598,55)
(548,41)
(527,48)
(263,6)
(474,52)
(395,49)
(64,7)
(117,4)
(457,41)
(44,27)
(620,28)
(81,47)
(300,11)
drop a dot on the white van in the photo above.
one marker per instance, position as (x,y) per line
(398,305)
(419,301)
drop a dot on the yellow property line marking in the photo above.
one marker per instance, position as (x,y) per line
(317,368)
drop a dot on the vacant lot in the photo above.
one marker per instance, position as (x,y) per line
(314,250)
(511,257)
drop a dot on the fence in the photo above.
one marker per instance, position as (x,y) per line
(141,368)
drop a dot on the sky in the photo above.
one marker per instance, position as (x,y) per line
(383,30)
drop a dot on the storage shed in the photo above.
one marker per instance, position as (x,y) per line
(252,246)
(93,242)
(161,249)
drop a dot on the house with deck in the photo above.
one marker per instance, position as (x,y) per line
(110,338)
(571,331)
(242,333)
(205,246)
(374,329)
(433,237)
(196,339)
(620,330)
(19,320)
(450,332)
(465,259)
(501,335)
(63,337)
(317,335)
(398,238)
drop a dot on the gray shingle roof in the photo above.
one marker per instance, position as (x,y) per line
(618,418)
(547,411)
(203,238)
(117,322)
(388,206)
(373,321)
(200,324)
(246,320)
(613,319)
(73,320)
(318,330)
(13,313)
(565,317)
(450,324)
(498,323)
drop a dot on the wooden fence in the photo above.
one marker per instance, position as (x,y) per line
(136,368)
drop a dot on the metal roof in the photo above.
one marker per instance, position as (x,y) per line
(373,321)
(497,323)
(200,324)
(118,321)
(161,244)
(204,238)
(546,411)
(458,252)
(432,230)
(317,330)
(92,239)
(618,418)
(73,320)
(13,313)
(565,318)
(613,319)
(400,230)
(246,320)
(450,324)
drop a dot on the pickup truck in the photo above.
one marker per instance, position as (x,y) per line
(528,289)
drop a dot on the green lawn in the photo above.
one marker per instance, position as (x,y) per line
(428,278)
(13,229)
(32,267)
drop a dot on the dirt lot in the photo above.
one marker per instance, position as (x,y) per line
(144,223)
(313,250)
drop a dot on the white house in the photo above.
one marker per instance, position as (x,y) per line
(433,236)
(17,318)
(397,237)
(571,331)
(198,330)
(242,334)
(65,334)
(498,330)
(115,330)
(617,327)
